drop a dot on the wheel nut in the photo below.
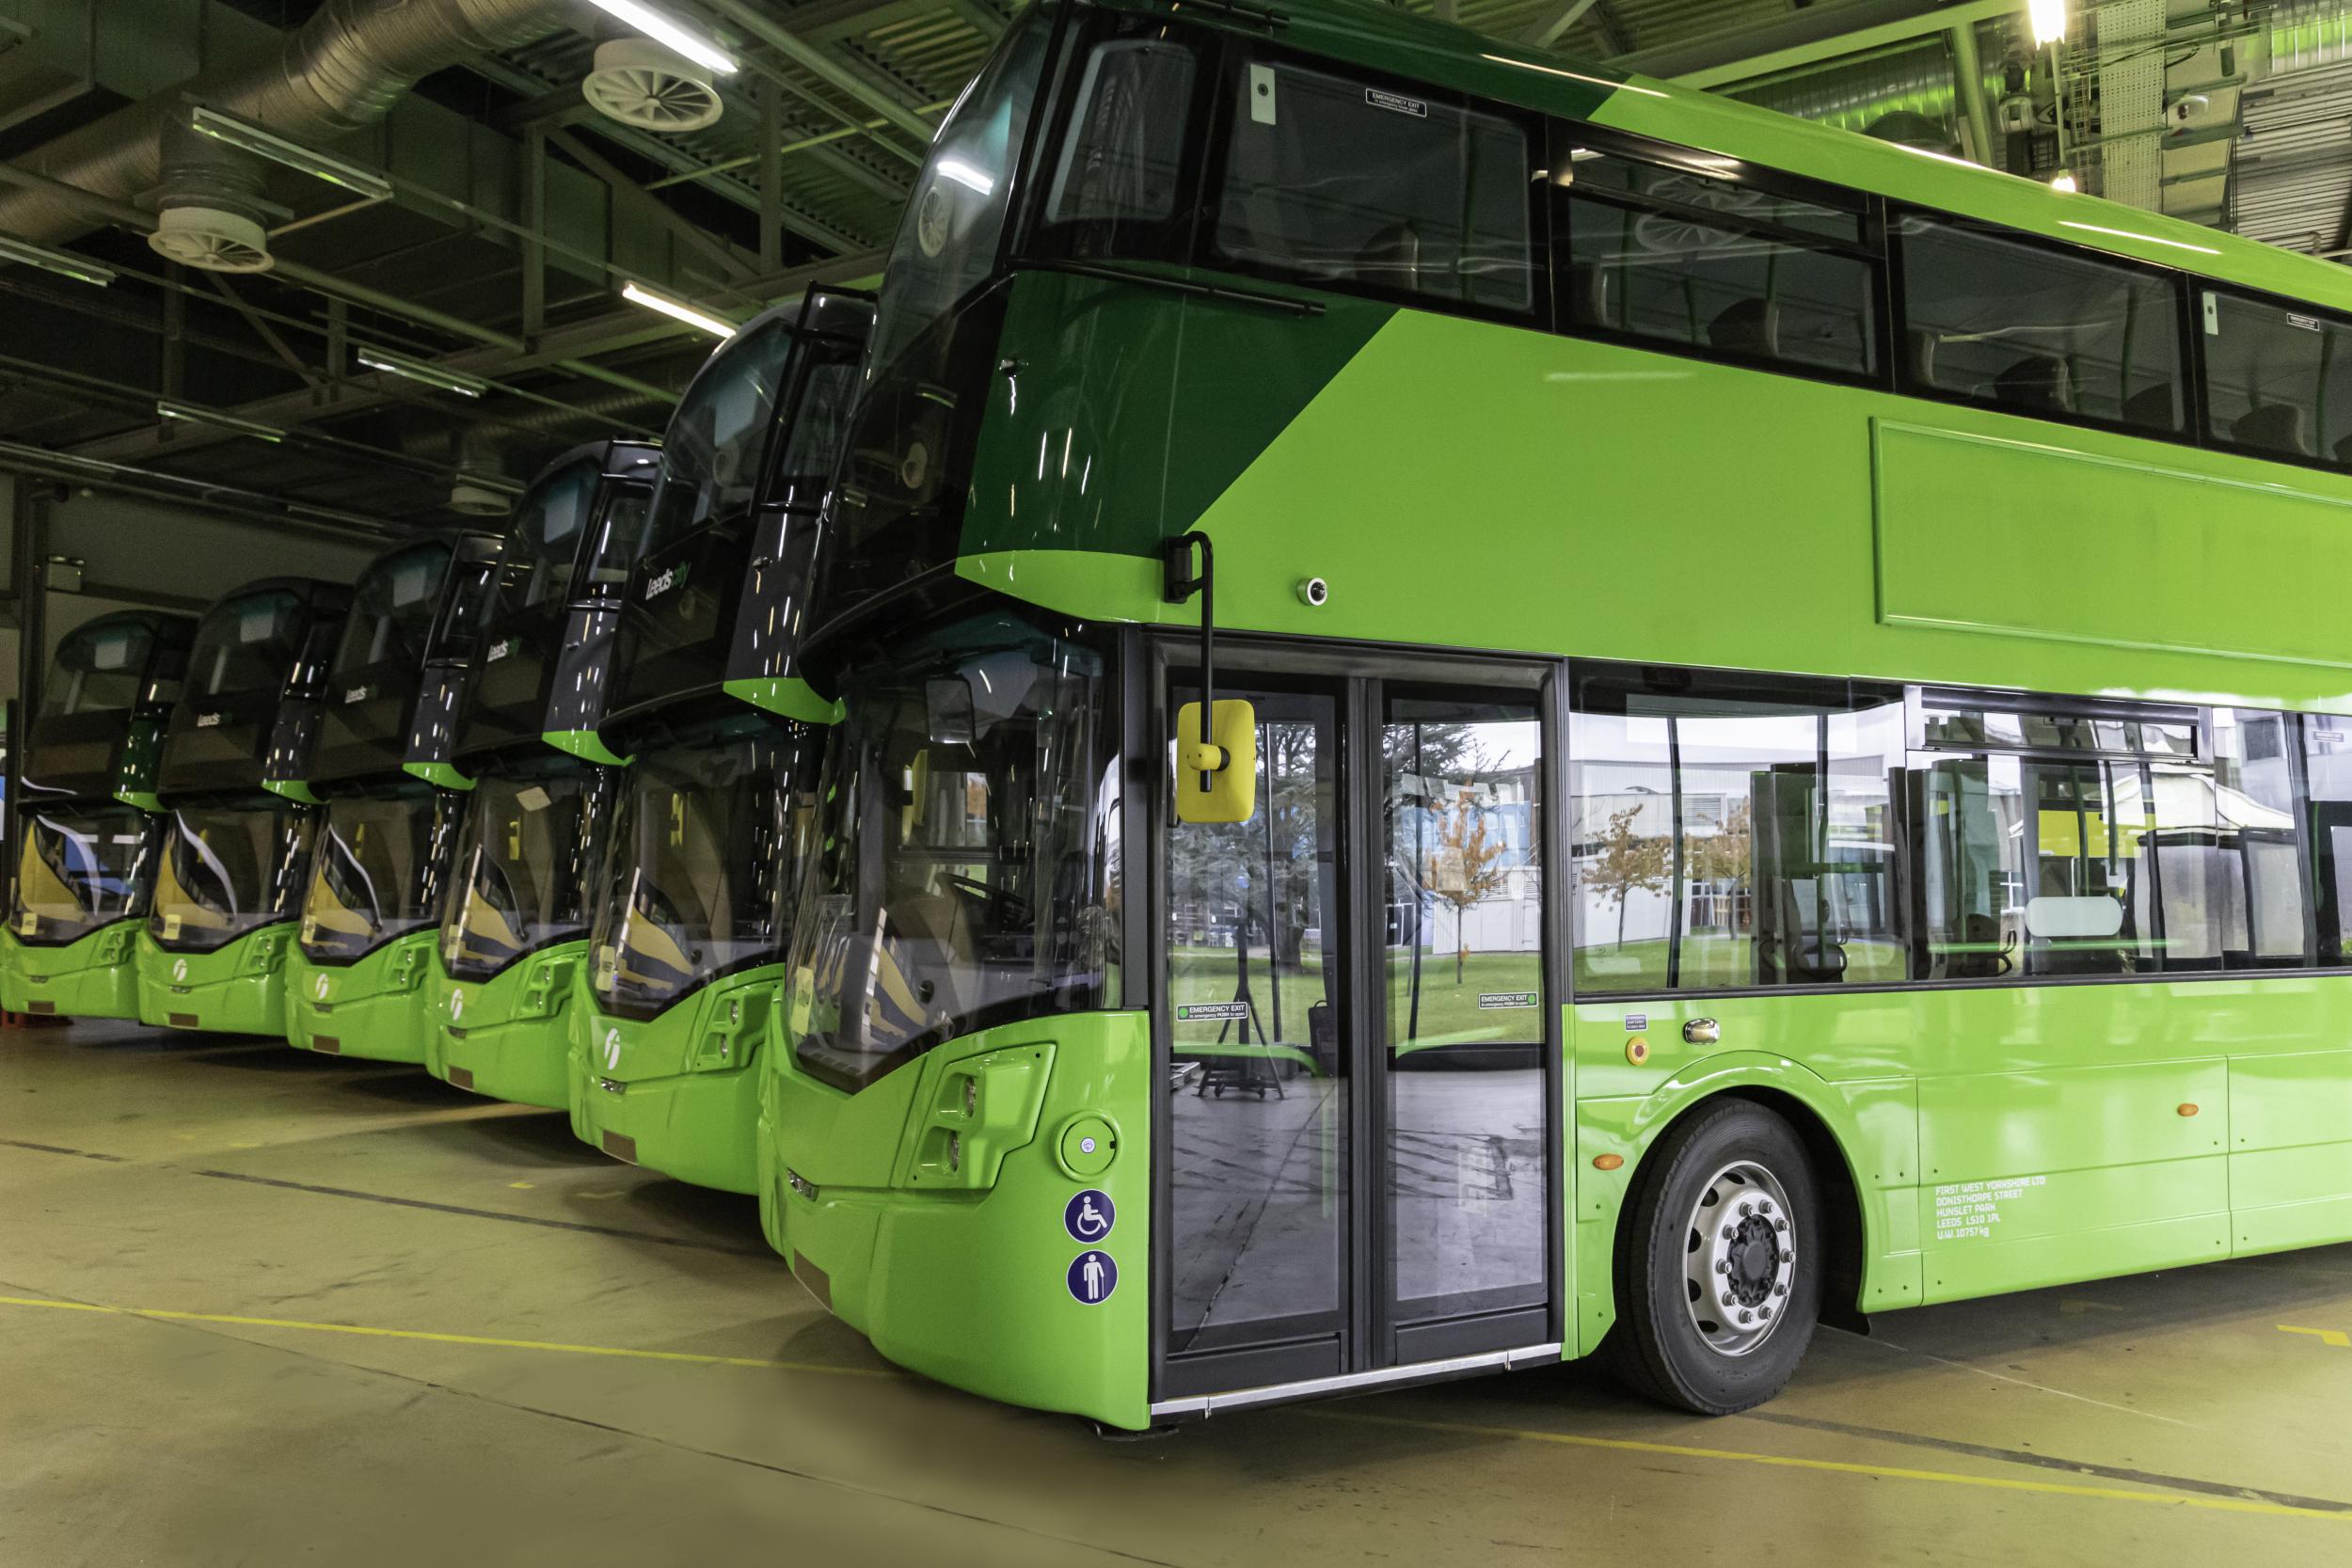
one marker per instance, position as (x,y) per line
(1787,1257)
(1780,1224)
(1722,1266)
(1747,1317)
(1746,1209)
(1780,1289)
(1730,1234)
(1765,1312)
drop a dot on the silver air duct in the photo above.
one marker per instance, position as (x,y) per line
(340,71)
(208,213)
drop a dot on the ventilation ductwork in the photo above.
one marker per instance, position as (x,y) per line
(641,83)
(208,209)
(338,73)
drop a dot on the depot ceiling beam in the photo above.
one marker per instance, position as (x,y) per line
(1809,37)
(632,195)
(156,485)
(822,66)
(1563,14)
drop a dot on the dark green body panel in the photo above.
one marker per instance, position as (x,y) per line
(376,1007)
(92,976)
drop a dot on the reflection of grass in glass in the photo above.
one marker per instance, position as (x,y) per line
(1715,963)
(1448,1011)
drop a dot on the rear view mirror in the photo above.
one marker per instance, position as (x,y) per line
(948,711)
(1217,780)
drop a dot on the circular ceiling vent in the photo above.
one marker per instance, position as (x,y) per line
(211,239)
(639,83)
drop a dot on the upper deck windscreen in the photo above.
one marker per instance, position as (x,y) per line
(373,684)
(245,644)
(98,669)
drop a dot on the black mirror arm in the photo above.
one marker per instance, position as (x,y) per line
(1179,583)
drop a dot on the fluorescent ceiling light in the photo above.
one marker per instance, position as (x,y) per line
(2048,20)
(63,262)
(2144,239)
(2064,182)
(663,30)
(416,370)
(687,313)
(219,421)
(232,132)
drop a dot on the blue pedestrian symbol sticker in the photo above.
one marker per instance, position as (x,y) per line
(1089,1217)
(1092,1278)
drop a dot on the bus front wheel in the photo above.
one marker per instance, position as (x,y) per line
(1719,1278)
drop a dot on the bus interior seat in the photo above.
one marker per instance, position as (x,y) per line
(933,946)
(2038,384)
(2273,427)
(1589,294)
(1391,257)
(2152,408)
(1746,326)
(1921,345)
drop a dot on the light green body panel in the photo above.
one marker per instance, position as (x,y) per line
(2005,1138)
(442,774)
(787,695)
(375,1006)
(1574,458)
(585,744)
(236,988)
(681,1089)
(93,976)
(961,1274)
(506,1036)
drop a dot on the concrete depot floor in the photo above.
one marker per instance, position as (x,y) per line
(261,1307)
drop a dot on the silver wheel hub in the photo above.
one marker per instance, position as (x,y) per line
(1740,1257)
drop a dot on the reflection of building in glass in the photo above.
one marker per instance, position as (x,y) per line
(1464,850)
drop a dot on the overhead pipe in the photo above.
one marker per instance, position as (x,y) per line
(339,72)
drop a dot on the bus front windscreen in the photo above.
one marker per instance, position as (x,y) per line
(82,867)
(523,864)
(706,859)
(376,876)
(966,873)
(245,644)
(230,869)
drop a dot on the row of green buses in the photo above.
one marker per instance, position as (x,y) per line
(1404,710)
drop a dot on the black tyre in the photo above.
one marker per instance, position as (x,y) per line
(1718,1279)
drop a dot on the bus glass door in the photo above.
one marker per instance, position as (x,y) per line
(1361,1050)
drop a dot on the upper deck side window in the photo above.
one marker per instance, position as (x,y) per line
(1723,266)
(2278,379)
(2036,330)
(1331,179)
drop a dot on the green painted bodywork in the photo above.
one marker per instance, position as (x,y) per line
(440,774)
(93,976)
(960,1274)
(586,744)
(682,1087)
(146,800)
(375,1006)
(509,1033)
(293,789)
(236,988)
(789,696)
(1464,485)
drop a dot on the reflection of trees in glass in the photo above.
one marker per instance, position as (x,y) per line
(1629,863)
(1724,860)
(1461,868)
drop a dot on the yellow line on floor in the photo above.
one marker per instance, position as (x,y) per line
(1885,1472)
(234,1319)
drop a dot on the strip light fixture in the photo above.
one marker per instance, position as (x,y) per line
(63,262)
(664,31)
(219,420)
(232,132)
(2047,19)
(636,294)
(416,370)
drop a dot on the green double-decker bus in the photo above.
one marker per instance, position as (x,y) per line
(356,979)
(236,849)
(1776,740)
(687,946)
(87,833)
(514,923)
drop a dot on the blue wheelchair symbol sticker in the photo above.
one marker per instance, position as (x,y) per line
(1089,1217)
(1093,1276)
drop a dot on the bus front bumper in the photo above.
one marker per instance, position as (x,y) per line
(93,976)
(237,988)
(928,1211)
(506,1036)
(677,1093)
(374,1007)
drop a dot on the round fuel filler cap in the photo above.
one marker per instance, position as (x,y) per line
(1088,1145)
